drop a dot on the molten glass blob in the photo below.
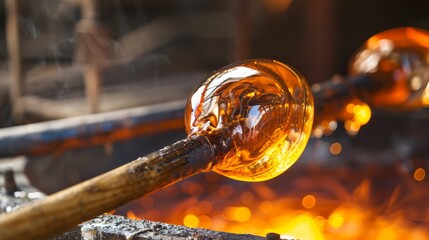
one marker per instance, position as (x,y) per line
(398,62)
(265,111)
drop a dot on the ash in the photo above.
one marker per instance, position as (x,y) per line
(117,227)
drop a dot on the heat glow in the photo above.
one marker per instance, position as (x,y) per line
(332,206)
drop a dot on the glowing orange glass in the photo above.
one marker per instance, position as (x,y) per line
(266,108)
(398,62)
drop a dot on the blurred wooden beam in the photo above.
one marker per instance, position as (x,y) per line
(16,80)
(148,37)
(143,93)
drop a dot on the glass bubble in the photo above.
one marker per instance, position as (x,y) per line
(398,62)
(265,110)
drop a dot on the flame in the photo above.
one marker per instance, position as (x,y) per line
(131,215)
(313,207)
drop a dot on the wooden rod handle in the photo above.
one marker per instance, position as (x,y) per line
(61,211)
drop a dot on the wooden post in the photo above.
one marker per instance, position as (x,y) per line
(16,81)
(93,48)
(92,75)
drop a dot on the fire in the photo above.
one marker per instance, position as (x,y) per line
(300,207)
(131,215)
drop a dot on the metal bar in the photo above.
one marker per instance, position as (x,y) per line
(338,88)
(26,138)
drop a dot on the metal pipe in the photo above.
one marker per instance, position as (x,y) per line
(26,139)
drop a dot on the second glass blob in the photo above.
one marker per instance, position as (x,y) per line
(397,60)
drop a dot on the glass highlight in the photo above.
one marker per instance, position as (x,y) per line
(266,109)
